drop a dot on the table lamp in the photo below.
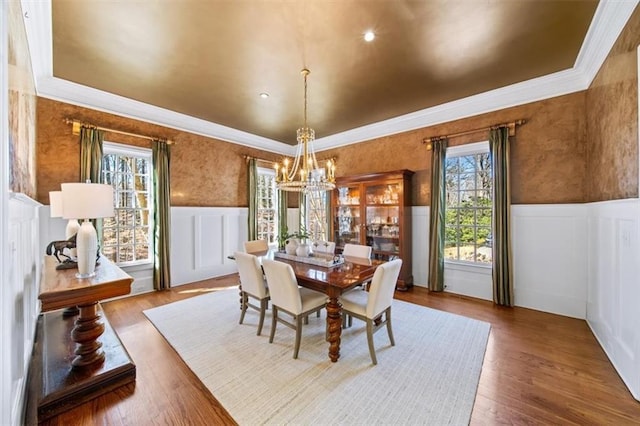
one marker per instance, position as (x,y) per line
(55,205)
(87,201)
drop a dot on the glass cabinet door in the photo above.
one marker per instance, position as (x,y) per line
(347,216)
(383,219)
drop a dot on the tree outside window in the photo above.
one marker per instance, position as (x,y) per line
(127,237)
(267,207)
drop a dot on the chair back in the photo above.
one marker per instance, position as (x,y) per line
(356,250)
(256,246)
(382,287)
(283,285)
(251,276)
(321,246)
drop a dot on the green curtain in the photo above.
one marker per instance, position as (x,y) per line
(91,154)
(91,164)
(252,194)
(502,263)
(161,155)
(283,228)
(437,216)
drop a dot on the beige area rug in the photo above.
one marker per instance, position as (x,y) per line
(429,377)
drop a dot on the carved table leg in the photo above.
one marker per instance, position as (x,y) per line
(85,333)
(334,325)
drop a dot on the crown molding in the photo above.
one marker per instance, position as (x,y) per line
(608,22)
(77,94)
(606,26)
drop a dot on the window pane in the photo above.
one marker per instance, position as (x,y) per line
(126,236)
(468,208)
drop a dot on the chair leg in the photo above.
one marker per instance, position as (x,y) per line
(243,306)
(296,347)
(389,329)
(274,321)
(263,308)
(317,314)
(372,350)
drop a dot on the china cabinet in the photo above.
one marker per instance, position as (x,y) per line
(375,210)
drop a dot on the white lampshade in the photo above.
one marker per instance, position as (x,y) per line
(87,200)
(55,203)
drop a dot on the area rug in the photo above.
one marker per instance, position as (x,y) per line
(429,377)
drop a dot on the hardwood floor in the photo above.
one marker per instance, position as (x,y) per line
(538,369)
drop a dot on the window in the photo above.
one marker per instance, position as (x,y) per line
(127,237)
(469,204)
(267,206)
(315,214)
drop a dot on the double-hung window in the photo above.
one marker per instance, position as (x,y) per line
(469,204)
(267,206)
(127,237)
(314,214)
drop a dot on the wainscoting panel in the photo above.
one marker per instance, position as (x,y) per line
(208,251)
(420,245)
(201,240)
(21,292)
(614,285)
(550,258)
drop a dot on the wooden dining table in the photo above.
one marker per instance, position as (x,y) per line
(333,281)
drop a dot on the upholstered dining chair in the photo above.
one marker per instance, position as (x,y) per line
(256,246)
(287,297)
(356,250)
(368,306)
(252,285)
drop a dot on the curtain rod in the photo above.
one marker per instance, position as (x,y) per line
(77,124)
(511,125)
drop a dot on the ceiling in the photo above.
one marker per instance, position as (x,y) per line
(208,61)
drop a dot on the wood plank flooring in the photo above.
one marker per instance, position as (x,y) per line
(538,369)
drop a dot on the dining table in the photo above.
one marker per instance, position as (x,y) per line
(332,275)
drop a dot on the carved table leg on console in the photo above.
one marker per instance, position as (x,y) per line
(88,327)
(334,324)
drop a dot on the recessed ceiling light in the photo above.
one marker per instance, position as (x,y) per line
(264,95)
(369,36)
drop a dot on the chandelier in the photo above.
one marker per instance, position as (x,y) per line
(305,175)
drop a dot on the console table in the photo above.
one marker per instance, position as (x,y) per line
(80,357)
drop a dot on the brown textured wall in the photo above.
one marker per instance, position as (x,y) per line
(204,171)
(612,121)
(548,153)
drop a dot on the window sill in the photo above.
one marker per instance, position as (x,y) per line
(135,267)
(484,269)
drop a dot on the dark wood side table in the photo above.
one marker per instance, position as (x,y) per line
(80,357)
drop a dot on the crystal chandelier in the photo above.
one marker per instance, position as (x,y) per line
(305,175)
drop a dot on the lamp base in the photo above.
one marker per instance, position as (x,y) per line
(86,275)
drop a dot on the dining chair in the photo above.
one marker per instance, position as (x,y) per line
(256,246)
(356,250)
(369,306)
(252,284)
(287,297)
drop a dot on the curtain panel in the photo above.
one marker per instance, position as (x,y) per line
(91,141)
(502,259)
(252,202)
(437,215)
(161,156)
